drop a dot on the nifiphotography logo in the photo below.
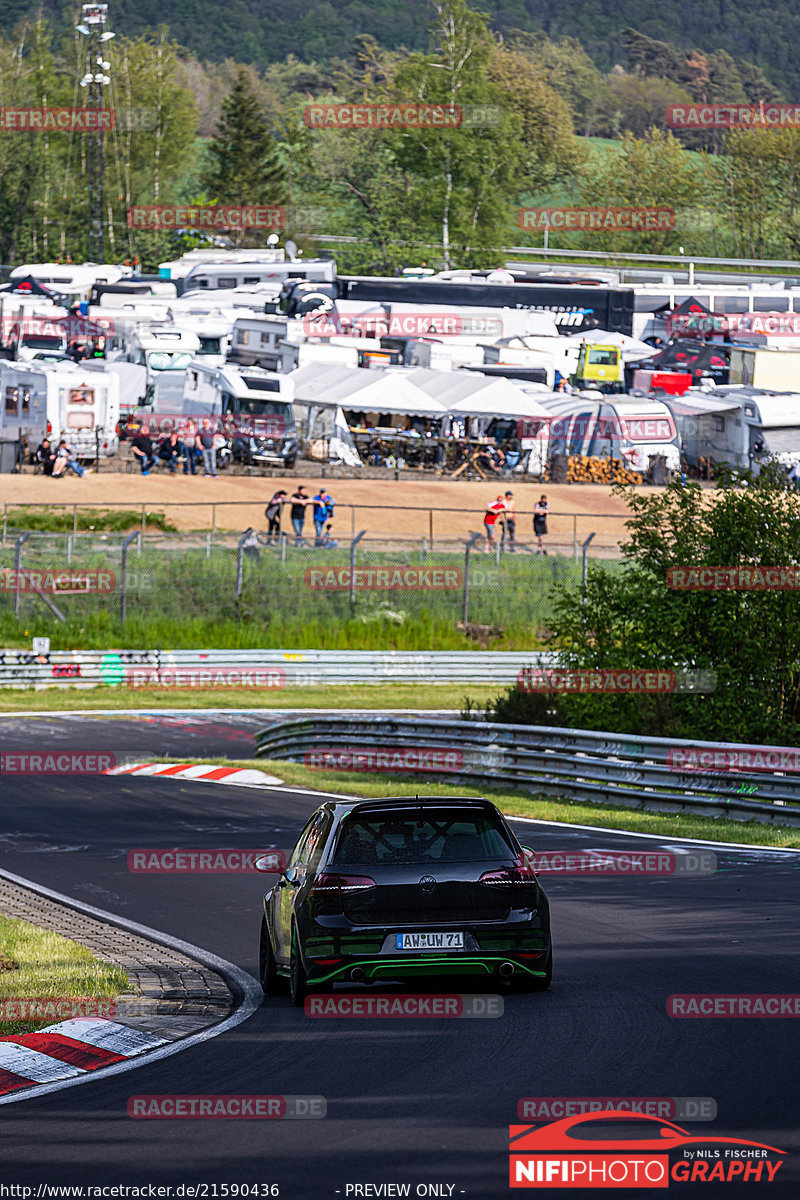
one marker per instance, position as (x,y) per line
(623,1149)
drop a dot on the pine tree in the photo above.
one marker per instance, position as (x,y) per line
(245,164)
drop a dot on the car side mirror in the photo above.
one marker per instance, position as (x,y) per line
(271,864)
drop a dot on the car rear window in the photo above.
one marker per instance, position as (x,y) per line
(399,839)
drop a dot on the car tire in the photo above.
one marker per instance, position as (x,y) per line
(298,983)
(271,982)
(534,983)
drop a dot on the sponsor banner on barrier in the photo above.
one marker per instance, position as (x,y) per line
(674,1108)
(204,862)
(734,579)
(227,1108)
(598,220)
(384,579)
(56,120)
(388,115)
(743,1004)
(618,862)
(403,1006)
(54,582)
(212,216)
(385,758)
(619,681)
(204,677)
(733,116)
(55,1008)
(706,760)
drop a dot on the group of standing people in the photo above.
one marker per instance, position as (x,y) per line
(503,511)
(323,505)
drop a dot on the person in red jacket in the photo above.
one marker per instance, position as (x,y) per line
(494,512)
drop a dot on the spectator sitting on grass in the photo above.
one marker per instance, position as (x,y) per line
(66,460)
(324,540)
(46,456)
(142,448)
(170,451)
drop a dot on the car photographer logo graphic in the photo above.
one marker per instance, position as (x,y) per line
(601,219)
(404,1006)
(226,425)
(204,862)
(227,1108)
(734,579)
(588,1151)
(676,1108)
(384,579)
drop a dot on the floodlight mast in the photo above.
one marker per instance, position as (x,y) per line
(93,18)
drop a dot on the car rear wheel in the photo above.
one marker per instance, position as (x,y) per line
(271,981)
(298,983)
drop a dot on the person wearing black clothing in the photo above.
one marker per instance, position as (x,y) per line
(46,456)
(171,451)
(299,500)
(143,449)
(273,514)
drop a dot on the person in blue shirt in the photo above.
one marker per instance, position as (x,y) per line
(323,510)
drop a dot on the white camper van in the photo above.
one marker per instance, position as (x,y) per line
(632,429)
(76,401)
(70,279)
(740,426)
(161,348)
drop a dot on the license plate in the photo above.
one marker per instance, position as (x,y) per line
(429,941)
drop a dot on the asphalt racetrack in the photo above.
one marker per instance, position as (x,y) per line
(410,1101)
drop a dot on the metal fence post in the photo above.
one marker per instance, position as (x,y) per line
(353,546)
(284,540)
(239,567)
(584,573)
(123,600)
(18,544)
(465,604)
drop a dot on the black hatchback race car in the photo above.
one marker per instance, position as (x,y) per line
(399,890)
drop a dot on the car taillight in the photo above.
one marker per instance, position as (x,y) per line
(521,875)
(338,885)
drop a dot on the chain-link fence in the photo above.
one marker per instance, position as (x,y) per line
(313,582)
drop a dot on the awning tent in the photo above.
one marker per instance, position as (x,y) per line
(364,390)
(467,394)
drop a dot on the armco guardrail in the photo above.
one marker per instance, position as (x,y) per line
(258,668)
(601,768)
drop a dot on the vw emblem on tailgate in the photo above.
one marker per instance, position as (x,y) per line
(427,883)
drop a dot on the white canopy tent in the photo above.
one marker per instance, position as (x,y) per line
(469,394)
(393,392)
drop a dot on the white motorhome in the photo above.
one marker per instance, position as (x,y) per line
(633,430)
(180,267)
(257,340)
(71,279)
(214,334)
(235,391)
(740,426)
(76,401)
(26,336)
(161,348)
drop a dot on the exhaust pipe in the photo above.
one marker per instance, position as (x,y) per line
(358,975)
(506,970)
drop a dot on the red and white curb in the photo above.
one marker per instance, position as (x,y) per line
(67,1050)
(244,777)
